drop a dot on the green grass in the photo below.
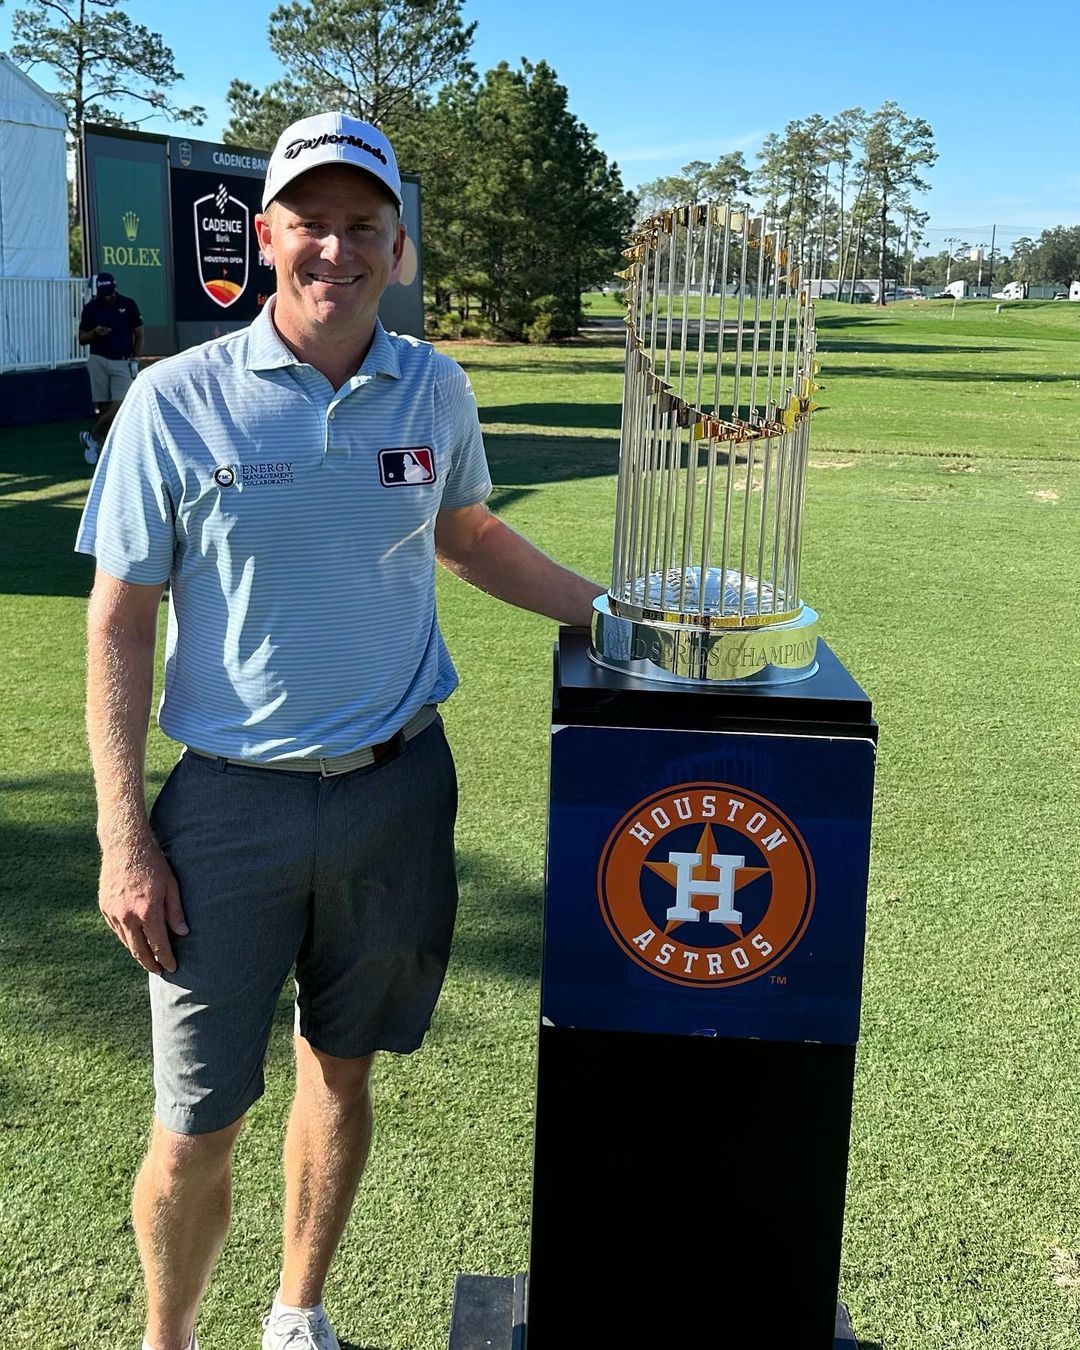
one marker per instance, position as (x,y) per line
(940,551)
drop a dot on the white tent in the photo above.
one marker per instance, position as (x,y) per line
(33,182)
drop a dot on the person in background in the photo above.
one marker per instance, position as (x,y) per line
(112,327)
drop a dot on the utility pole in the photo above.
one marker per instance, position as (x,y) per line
(949,259)
(907,241)
(993,238)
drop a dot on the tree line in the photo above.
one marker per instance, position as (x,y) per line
(1052,259)
(841,186)
(521,210)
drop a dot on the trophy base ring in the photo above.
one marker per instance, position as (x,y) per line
(673,653)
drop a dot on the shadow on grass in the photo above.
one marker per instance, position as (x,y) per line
(864,348)
(37,541)
(563,367)
(519,460)
(601,337)
(66,975)
(37,538)
(953,376)
(858,318)
(554,415)
(498,928)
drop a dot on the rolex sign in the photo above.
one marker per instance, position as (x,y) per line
(131,240)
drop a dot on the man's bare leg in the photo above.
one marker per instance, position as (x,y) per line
(326,1147)
(181,1210)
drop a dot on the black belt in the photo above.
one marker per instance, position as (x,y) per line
(329,766)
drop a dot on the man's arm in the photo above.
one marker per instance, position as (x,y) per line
(138,894)
(137,342)
(486,552)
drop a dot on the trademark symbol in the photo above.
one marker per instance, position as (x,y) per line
(778,979)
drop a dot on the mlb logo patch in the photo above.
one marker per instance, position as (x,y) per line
(410,466)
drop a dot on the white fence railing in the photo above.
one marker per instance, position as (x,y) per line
(39,321)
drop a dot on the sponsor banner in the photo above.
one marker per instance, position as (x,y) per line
(707,883)
(210,157)
(218,272)
(130,238)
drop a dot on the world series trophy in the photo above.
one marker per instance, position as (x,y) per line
(708,852)
(705,575)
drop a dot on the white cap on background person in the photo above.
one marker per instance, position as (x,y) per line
(331,138)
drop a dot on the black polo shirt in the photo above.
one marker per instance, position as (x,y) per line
(122,316)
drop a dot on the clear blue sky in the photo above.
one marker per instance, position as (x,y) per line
(662,83)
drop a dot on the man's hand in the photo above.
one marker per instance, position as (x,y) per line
(140,900)
(102,331)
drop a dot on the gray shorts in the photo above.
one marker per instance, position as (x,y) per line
(109,380)
(350,878)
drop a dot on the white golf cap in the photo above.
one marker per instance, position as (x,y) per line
(331,138)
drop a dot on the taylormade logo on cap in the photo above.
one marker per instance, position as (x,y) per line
(294,148)
(331,138)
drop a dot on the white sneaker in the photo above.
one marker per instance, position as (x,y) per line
(294,1330)
(90,447)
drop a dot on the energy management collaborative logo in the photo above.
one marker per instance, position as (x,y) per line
(706,884)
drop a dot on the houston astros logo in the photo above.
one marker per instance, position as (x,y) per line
(706,884)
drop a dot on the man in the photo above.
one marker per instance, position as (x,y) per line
(294,483)
(113,328)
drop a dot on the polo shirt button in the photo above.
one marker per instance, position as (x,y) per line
(330,414)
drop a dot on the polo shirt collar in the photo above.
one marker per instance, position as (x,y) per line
(266,351)
(381,359)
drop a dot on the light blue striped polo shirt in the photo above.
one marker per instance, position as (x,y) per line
(296,527)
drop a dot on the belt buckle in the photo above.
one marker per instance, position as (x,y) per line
(327,769)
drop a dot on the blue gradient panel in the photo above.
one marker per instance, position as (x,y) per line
(707,883)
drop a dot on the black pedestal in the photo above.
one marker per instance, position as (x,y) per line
(695,1068)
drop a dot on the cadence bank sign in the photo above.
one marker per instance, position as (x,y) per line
(219,280)
(223,241)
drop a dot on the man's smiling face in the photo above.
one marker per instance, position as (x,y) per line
(334,239)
